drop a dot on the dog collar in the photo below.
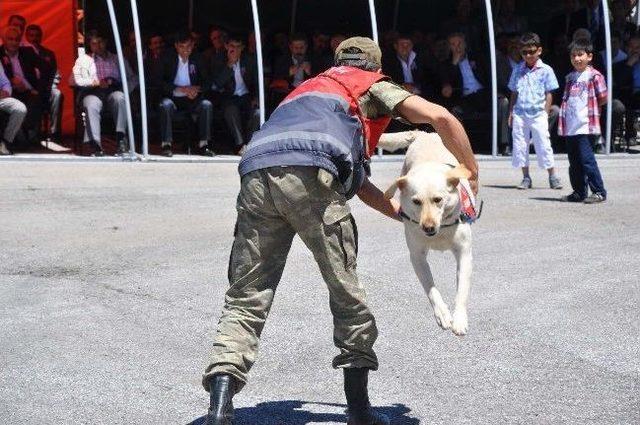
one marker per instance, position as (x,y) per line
(404,216)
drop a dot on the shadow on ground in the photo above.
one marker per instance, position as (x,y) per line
(296,412)
(542,198)
(501,186)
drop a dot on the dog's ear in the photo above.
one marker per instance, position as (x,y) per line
(454,175)
(400,183)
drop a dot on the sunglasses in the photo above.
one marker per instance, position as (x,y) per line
(529,52)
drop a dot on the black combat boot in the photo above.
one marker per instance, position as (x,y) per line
(221,389)
(355,388)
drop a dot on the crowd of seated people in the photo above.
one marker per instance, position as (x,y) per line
(29,80)
(211,79)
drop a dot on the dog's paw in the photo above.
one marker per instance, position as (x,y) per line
(443,316)
(460,322)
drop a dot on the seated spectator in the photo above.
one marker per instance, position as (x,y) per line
(618,108)
(406,68)
(24,69)
(97,77)
(321,57)
(199,45)
(215,50)
(185,82)
(153,68)
(52,97)
(617,54)
(464,81)
(129,51)
(236,80)
(289,70)
(19,22)
(294,67)
(278,48)
(12,107)
(464,78)
(507,58)
(626,86)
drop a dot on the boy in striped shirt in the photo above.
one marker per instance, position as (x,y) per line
(585,91)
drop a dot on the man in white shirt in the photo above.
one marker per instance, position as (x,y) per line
(97,75)
(185,82)
(235,80)
(16,111)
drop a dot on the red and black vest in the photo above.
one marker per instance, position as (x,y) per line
(320,124)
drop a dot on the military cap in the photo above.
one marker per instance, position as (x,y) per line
(359,49)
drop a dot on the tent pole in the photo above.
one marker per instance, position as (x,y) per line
(143,87)
(256,30)
(374,21)
(609,66)
(374,35)
(494,80)
(123,76)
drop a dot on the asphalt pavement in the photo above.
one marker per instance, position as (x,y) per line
(112,276)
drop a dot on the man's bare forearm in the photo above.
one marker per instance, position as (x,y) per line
(374,198)
(419,111)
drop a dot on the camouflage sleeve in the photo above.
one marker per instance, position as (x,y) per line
(382,99)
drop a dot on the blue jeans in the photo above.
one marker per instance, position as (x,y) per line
(583,168)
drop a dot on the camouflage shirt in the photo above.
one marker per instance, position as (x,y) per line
(382,99)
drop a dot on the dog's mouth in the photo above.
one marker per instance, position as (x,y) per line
(430,231)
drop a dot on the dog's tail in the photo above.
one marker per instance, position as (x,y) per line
(393,141)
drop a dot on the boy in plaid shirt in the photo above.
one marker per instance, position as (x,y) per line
(585,91)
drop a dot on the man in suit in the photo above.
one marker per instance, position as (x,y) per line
(24,69)
(52,97)
(153,68)
(216,50)
(465,82)
(235,80)
(406,67)
(185,82)
(296,66)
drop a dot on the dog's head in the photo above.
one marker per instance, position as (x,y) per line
(429,193)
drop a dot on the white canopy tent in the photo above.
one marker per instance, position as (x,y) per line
(374,31)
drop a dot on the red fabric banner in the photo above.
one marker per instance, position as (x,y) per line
(58,21)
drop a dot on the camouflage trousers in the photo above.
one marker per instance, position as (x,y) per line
(273,206)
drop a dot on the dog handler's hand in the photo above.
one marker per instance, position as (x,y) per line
(420,111)
(373,197)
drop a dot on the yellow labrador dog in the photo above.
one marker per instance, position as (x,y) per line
(431,209)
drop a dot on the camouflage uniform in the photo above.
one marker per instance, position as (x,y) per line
(273,206)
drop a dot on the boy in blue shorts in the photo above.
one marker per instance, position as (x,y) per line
(585,91)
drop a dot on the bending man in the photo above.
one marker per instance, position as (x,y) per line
(297,174)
